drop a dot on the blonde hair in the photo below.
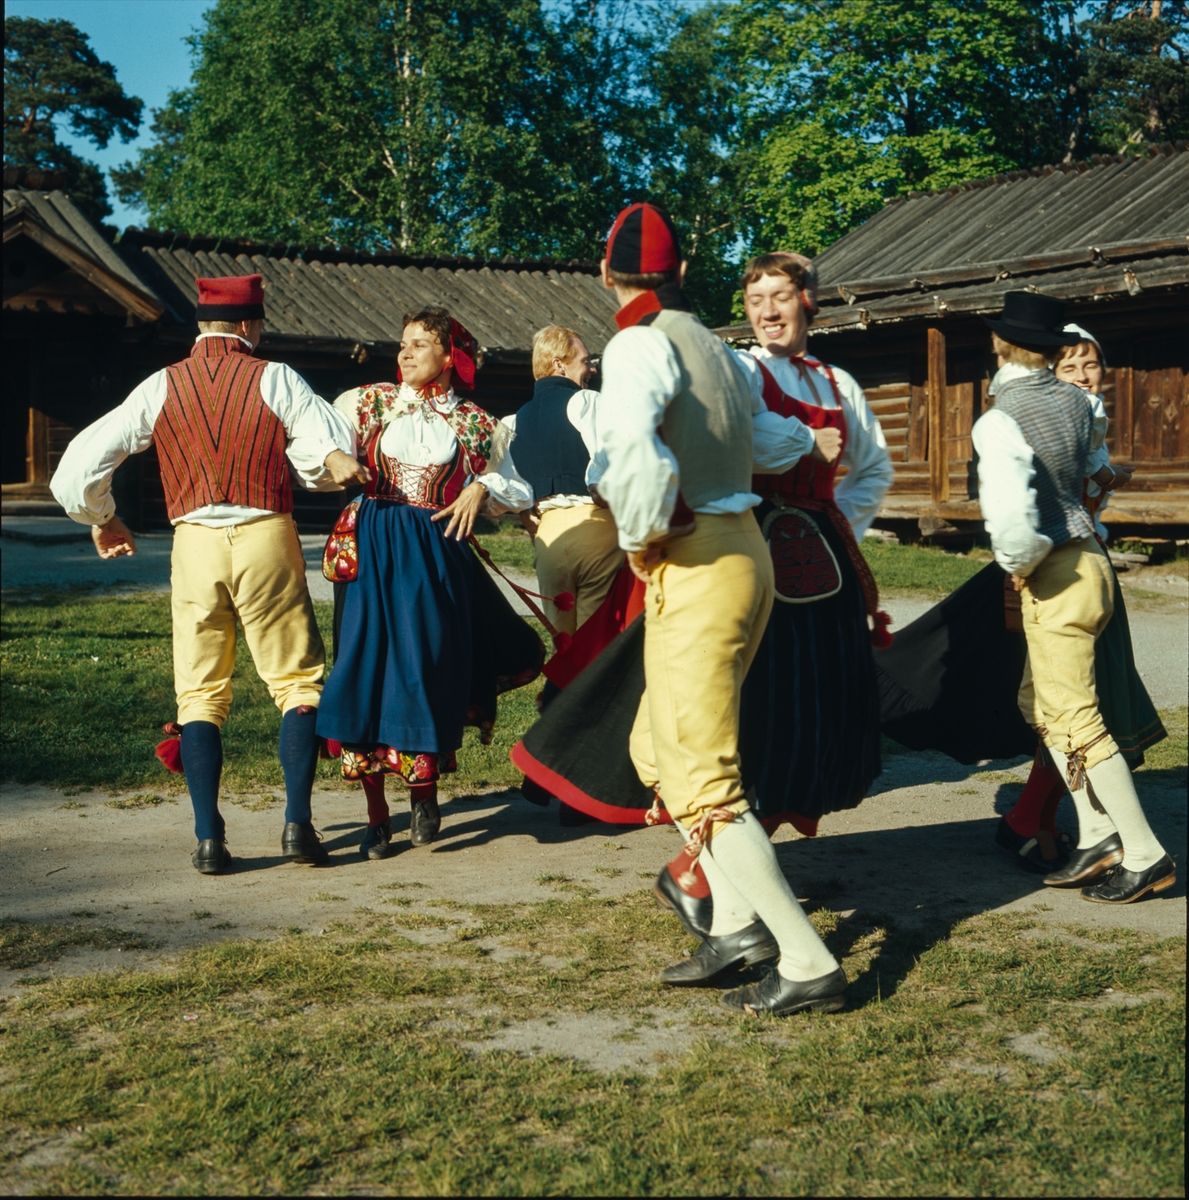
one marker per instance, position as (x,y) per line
(218,326)
(554,341)
(1033,357)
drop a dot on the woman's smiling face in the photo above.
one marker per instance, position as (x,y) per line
(1081,365)
(422,358)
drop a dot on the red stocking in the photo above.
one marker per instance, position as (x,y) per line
(1042,793)
(690,878)
(377,806)
(423,791)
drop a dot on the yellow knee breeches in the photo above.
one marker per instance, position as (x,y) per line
(255,571)
(706,610)
(577,551)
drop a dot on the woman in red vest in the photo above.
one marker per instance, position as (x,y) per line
(424,640)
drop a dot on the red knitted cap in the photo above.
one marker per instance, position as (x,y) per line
(643,242)
(230,298)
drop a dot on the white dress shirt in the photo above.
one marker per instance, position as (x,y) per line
(860,492)
(82,482)
(639,475)
(582,411)
(423,439)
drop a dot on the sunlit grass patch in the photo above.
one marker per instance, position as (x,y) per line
(25,943)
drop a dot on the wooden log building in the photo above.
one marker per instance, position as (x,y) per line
(85,320)
(902,296)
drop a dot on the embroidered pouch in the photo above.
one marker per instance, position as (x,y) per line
(805,566)
(340,559)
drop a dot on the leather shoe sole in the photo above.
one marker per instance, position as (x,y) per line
(695,913)
(1087,865)
(782,997)
(718,956)
(1126,887)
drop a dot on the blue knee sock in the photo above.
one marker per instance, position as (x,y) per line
(298,752)
(202,760)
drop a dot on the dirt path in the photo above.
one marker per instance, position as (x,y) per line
(920,849)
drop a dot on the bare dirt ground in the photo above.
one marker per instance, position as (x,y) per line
(920,848)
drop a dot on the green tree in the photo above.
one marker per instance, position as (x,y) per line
(51,74)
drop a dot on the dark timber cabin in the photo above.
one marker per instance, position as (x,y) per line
(901,298)
(85,320)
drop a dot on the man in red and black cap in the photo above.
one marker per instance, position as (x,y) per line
(686,428)
(229,429)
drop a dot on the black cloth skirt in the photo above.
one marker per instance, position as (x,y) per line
(809,722)
(950,680)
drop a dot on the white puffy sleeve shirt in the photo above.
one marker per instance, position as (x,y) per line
(641,377)
(82,482)
(860,492)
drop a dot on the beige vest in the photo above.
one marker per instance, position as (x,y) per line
(708,424)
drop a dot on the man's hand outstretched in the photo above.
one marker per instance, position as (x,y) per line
(113,540)
(345,470)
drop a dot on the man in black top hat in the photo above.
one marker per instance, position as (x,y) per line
(1032,448)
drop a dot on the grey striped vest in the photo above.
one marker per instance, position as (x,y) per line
(1056,422)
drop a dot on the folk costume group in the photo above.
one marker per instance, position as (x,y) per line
(722,662)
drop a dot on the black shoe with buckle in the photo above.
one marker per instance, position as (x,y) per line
(694,913)
(781,997)
(377,841)
(1039,853)
(718,956)
(1087,865)
(211,857)
(302,843)
(1121,886)
(425,822)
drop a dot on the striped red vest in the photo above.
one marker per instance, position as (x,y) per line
(217,441)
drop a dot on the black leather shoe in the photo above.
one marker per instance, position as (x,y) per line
(779,996)
(1039,853)
(426,821)
(211,857)
(534,793)
(1121,886)
(377,841)
(301,843)
(1086,865)
(717,956)
(694,914)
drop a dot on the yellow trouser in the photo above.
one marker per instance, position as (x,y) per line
(1067,602)
(255,571)
(705,613)
(577,550)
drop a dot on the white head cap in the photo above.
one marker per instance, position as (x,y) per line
(1086,336)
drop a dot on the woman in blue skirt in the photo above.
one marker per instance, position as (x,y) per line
(424,640)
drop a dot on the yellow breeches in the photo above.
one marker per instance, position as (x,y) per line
(1067,602)
(577,550)
(255,571)
(706,609)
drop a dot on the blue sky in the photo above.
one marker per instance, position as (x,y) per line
(144,41)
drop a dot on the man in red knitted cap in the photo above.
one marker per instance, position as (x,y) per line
(229,429)
(686,428)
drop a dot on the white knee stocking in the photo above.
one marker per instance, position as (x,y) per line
(731,911)
(1093,826)
(744,855)
(1115,790)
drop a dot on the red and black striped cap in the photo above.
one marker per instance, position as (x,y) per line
(643,242)
(230,298)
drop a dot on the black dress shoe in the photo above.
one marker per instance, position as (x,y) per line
(695,914)
(1039,853)
(301,843)
(717,956)
(426,821)
(779,996)
(377,841)
(534,793)
(211,857)
(1121,886)
(1085,865)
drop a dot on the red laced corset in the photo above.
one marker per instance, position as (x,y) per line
(434,486)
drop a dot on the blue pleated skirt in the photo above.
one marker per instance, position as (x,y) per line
(402,674)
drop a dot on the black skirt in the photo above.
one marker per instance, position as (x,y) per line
(809,721)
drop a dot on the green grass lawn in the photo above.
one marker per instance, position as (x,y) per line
(987,1059)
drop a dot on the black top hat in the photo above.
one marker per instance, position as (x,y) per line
(1030,319)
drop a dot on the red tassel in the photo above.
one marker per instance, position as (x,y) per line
(564,601)
(170,750)
(881,638)
(329,748)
